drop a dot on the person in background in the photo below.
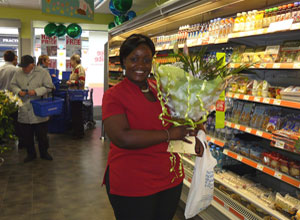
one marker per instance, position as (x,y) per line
(8,70)
(32,82)
(77,81)
(138,180)
(15,61)
(43,61)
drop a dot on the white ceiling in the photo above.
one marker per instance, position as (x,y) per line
(137,5)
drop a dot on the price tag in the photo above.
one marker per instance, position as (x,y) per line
(276,66)
(278,175)
(229,94)
(246,97)
(190,42)
(260,31)
(256,99)
(277,102)
(260,167)
(237,127)
(239,158)
(279,144)
(280,26)
(248,130)
(199,41)
(266,100)
(296,65)
(263,65)
(259,133)
(228,124)
(236,96)
(226,206)
(225,151)
(295,26)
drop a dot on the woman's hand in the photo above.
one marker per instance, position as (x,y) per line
(179,133)
(68,82)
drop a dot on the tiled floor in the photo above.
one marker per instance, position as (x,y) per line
(67,188)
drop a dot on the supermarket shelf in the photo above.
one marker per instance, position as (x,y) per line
(188,160)
(251,198)
(277,174)
(269,65)
(249,130)
(216,141)
(228,206)
(263,100)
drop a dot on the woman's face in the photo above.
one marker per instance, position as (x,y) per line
(73,63)
(138,64)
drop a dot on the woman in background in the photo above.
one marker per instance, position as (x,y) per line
(77,81)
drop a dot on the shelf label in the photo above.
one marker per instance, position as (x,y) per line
(228,124)
(279,144)
(278,175)
(229,94)
(296,65)
(280,26)
(256,99)
(225,151)
(295,26)
(246,97)
(263,65)
(260,167)
(266,100)
(260,31)
(236,96)
(237,127)
(277,102)
(239,158)
(248,130)
(276,66)
(259,133)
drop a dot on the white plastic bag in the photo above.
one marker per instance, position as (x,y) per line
(202,187)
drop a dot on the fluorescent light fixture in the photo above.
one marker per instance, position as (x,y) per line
(98,3)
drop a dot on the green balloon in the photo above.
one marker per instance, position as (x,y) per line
(111,25)
(122,5)
(61,30)
(120,19)
(50,29)
(74,31)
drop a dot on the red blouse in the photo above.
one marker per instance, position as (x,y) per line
(140,172)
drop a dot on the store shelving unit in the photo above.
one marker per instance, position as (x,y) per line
(216,141)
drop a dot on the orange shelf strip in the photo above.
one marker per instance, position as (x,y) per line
(215,141)
(285,178)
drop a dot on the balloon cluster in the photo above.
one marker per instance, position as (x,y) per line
(73,30)
(120,9)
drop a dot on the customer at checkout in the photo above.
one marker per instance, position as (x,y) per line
(32,82)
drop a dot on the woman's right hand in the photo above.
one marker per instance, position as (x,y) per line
(179,133)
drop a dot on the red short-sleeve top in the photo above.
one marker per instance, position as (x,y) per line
(144,171)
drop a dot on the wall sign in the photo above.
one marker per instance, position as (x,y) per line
(49,45)
(83,9)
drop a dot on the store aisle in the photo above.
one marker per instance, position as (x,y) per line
(68,188)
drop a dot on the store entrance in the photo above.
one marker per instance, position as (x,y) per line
(9,40)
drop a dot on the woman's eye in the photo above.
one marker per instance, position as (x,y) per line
(133,59)
(147,60)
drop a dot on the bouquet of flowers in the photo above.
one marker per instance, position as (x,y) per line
(9,103)
(191,86)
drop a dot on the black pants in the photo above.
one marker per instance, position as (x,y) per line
(159,206)
(77,118)
(27,132)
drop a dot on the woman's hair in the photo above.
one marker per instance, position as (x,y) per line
(132,42)
(9,56)
(76,58)
(41,59)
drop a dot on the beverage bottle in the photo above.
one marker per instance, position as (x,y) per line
(289,12)
(243,21)
(231,21)
(212,150)
(279,13)
(248,21)
(283,13)
(265,19)
(217,28)
(226,28)
(298,13)
(253,20)
(259,20)
(274,14)
(295,11)
(219,157)
(236,27)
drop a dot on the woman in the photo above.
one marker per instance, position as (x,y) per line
(138,178)
(43,61)
(77,81)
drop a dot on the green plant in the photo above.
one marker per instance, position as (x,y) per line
(9,104)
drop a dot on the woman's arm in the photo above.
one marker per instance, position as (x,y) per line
(119,132)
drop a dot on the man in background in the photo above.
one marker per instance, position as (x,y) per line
(8,70)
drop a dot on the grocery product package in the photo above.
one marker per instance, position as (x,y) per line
(202,186)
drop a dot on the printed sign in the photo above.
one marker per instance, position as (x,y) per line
(83,9)
(53,64)
(68,65)
(49,45)
(73,46)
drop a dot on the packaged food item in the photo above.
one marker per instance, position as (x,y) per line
(294,169)
(288,51)
(257,117)
(246,114)
(274,160)
(272,54)
(273,124)
(259,55)
(242,85)
(284,165)
(256,154)
(255,88)
(247,56)
(244,151)
(237,114)
(266,159)
(265,89)
(237,54)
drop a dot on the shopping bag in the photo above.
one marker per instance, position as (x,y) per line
(202,186)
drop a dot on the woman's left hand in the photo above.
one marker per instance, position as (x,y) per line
(199,148)
(69,82)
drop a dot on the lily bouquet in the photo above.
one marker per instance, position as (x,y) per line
(188,88)
(9,103)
